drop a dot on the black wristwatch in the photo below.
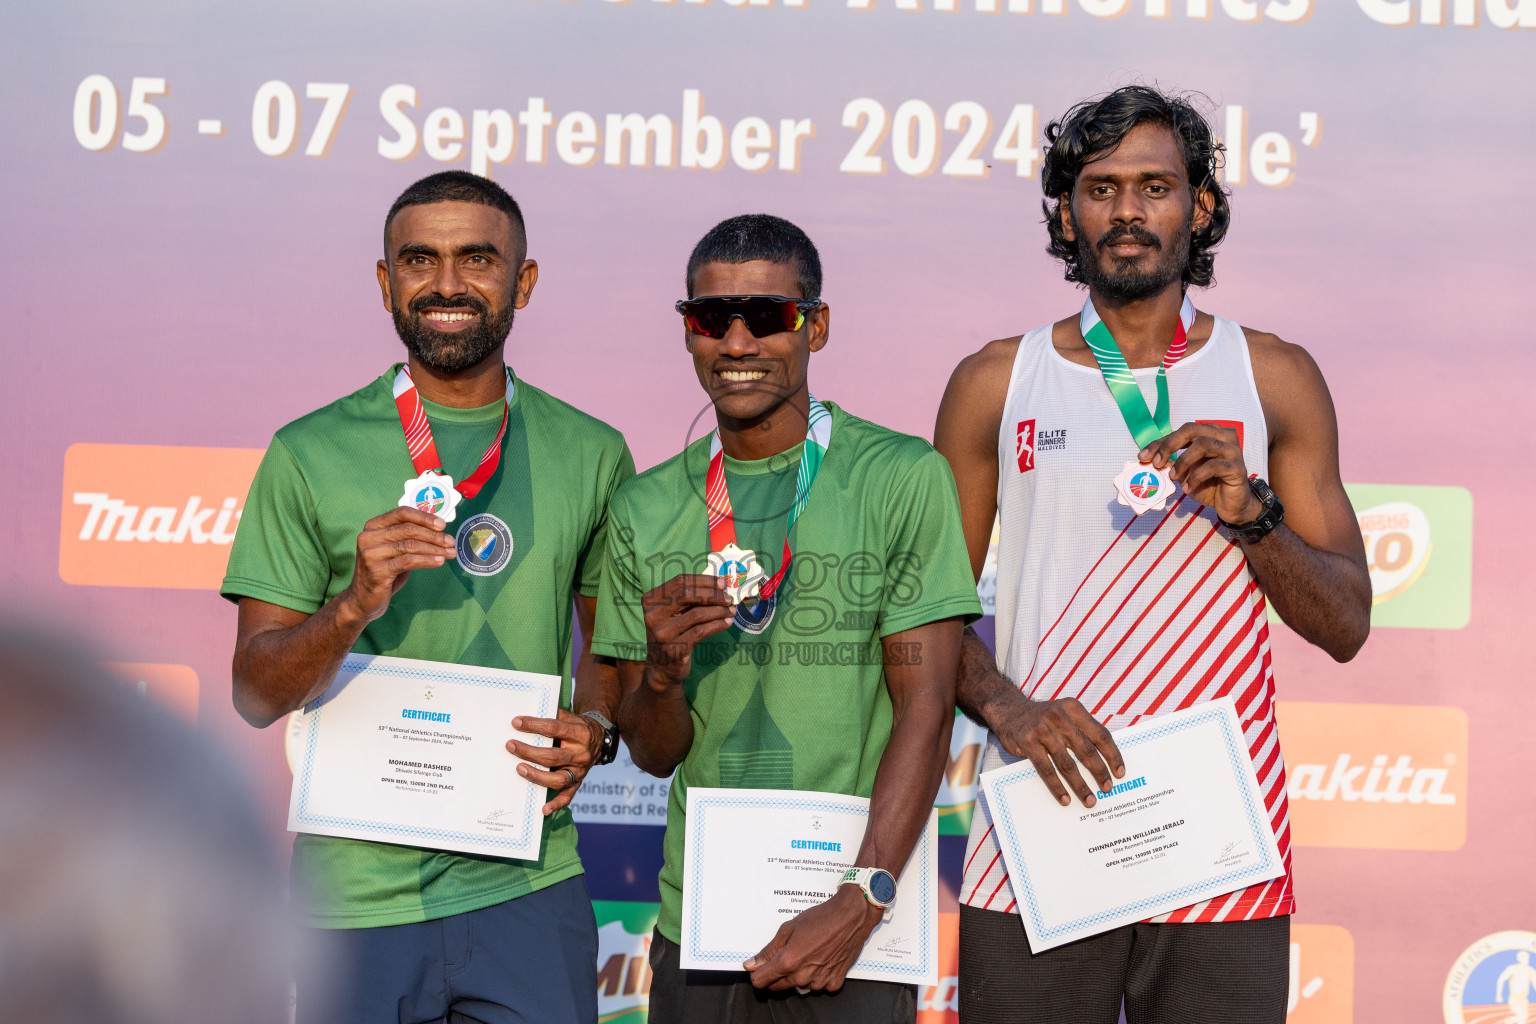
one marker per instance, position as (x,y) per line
(1271,516)
(610,748)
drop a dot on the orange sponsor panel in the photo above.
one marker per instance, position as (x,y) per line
(1322,989)
(151,515)
(940,1004)
(173,685)
(1375,776)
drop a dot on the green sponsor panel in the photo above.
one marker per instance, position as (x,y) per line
(623,965)
(1418,545)
(1419,548)
(956,799)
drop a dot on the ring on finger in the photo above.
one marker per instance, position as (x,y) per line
(569,775)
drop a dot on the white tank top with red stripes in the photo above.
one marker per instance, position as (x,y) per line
(1134,616)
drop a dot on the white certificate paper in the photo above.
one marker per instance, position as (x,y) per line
(757,857)
(1185,824)
(414,753)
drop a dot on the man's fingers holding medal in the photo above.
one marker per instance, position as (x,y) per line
(561,767)
(1209,468)
(388,548)
(682,612)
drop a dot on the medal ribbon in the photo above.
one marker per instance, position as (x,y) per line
(717,495)
(1146,426)
(423,449)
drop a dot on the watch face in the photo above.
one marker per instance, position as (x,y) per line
(882,887)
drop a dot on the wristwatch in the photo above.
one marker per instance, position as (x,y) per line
(610,747)
(1269,518)
(877,884)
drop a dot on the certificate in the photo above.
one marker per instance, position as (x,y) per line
(1185,824)
(414,752)
(754,858)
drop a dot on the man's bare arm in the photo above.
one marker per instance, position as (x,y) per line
(966,434)
(816,948)
(1312,567)
(284,658)
(1055,735)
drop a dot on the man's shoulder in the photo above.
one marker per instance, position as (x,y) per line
(877,447)
(663,482)
(363,408)
(1277,361)
(575,425)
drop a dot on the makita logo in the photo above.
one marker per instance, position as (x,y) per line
(1375,776)
(113,519)
(1377,782)
(151,515)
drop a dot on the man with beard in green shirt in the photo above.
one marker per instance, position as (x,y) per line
(325,564)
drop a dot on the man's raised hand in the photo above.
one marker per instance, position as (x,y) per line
(388,548)
(678,615)
(1057,736)
(1209,467)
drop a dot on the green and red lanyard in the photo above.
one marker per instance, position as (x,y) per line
(717,495)
(1146,425)
(423,449)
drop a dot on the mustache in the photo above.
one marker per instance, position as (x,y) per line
(1129,234)
(473,302)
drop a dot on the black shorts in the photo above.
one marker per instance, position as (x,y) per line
(1235,972)
(727,997)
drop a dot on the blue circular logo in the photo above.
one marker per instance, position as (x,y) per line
(484,545)
(755,619)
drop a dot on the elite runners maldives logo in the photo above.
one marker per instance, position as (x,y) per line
(1024,445)
(1375,776)
(151,515)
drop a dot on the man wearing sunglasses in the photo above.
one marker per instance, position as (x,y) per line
(736,672)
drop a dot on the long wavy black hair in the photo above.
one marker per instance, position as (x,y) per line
(1094,127)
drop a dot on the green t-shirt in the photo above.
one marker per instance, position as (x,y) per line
(803,703)
(327,474)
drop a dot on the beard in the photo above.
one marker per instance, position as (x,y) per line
(450,353)
(1127,279)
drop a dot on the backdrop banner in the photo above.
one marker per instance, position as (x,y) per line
(194,200)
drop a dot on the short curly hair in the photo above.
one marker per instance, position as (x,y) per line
(1094,127)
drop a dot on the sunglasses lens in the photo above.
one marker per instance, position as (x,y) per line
(710,322)
(763,315)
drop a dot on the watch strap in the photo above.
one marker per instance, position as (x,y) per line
(610,747)
(1270,516)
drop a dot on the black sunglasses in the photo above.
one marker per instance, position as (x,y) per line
(763,315)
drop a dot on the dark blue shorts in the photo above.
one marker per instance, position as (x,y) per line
(532,960)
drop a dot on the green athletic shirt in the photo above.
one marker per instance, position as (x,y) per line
(327,474)
(803,704)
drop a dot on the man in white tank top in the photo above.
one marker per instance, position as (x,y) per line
(1105,616)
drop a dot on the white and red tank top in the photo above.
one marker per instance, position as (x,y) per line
(1134,616)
